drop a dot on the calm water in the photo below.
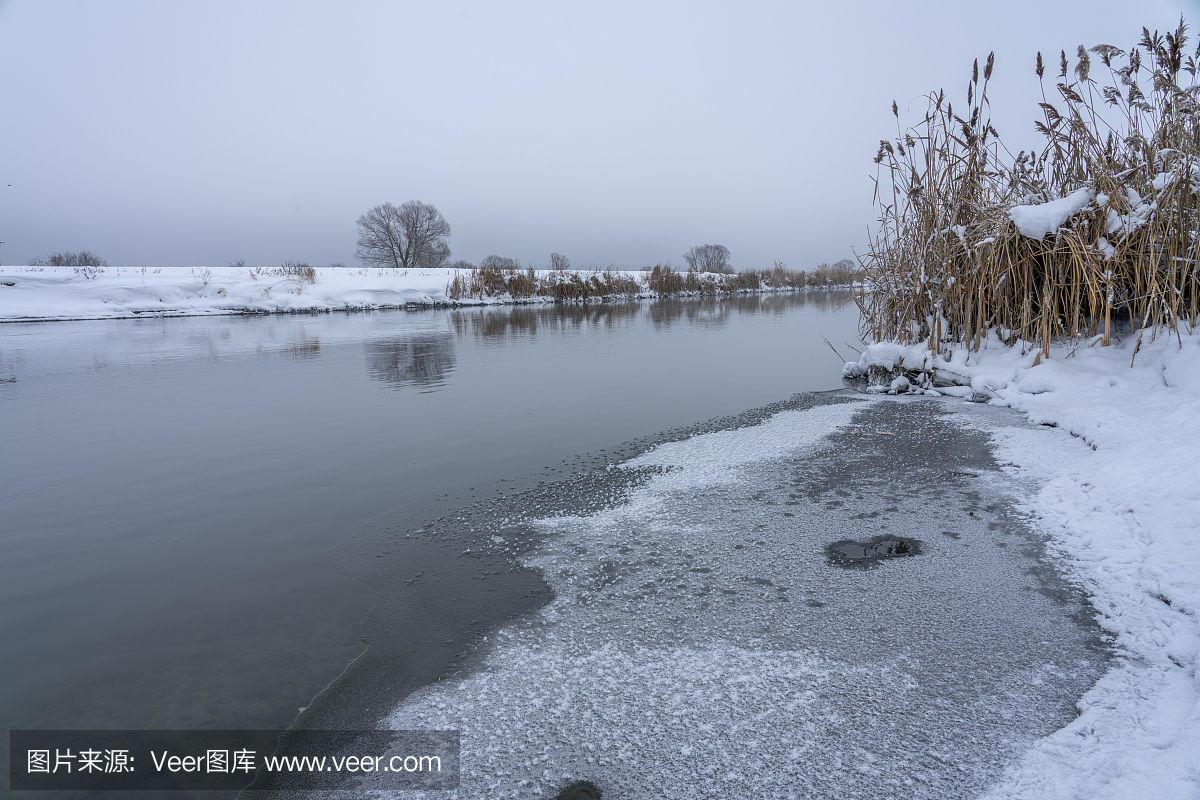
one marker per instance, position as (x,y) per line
(171,488)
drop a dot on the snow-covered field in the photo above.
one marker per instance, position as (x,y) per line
(1119,495)
(49,293)
(44,293)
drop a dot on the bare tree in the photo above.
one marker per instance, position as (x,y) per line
(559,261)
(708,258)
(436,255)
(409,236)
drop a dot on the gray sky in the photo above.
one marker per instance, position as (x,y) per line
(182,134)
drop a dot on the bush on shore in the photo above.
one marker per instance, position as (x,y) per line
(82,258)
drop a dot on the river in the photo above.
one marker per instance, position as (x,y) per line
(172,487)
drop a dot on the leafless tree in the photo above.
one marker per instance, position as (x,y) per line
(437,255)
(709,258)
(559,261)
(409,236)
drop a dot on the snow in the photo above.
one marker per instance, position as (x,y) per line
(1118,496)
(1036,221)
(50,293)
(46,293)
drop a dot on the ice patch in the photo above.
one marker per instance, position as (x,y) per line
(680,657)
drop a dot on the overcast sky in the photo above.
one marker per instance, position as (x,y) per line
(198,133)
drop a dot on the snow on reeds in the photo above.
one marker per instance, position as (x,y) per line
(1099,226)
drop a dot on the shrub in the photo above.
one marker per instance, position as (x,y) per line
(708,258)
(83,258)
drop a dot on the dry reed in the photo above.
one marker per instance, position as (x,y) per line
(667,282)
(949,263)
(494,280)
(298,270)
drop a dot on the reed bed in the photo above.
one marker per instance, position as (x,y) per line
(492,280)
(1096,228)
(518,283)
(665,281)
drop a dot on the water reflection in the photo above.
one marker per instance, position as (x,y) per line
(424,360)
(516,321)
(303,348)
(707,313)
(30,349)
(508,322)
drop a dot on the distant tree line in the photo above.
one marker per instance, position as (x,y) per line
(415,234)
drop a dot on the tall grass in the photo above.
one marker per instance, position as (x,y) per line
(1099,224)
(665,281)
(493,280)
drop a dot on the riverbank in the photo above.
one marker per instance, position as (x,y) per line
(1117,498)
(61,293)
(1034,636)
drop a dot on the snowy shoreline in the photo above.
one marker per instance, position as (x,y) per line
(1101,470)
(1118,500)
(39,294)
(700,644)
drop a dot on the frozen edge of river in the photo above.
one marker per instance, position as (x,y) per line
(556,656)
(1116,494)
(1113,489)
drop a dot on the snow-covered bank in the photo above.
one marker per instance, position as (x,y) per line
(1120,499)
(45,293)
(50,293)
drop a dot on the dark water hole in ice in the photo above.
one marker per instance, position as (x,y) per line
(868,554)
